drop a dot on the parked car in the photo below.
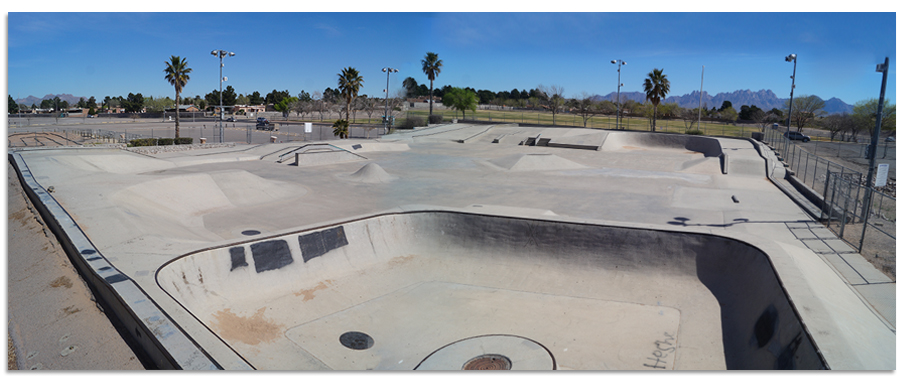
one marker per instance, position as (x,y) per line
(796,135)
(230,119)
(889,139)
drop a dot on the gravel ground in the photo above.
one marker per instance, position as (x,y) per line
(53,321)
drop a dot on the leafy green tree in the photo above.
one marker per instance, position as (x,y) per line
(212,98)
(81,103)
(656,86)
(276,96)
(242,100)
(134,103)
(304,96)
(341,129)
(256,98)
(411,87)
(461,100)
(349,82)
(725,105)
(864,116)
(157,105)
(92,103)
(229,96)
(729,114)
(13,107)
(485,96)
(431,66)
(177,74)
(284,106)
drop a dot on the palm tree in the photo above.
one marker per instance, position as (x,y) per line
(177,74)
(341,129)
(431,66)
(656,86)
(349,82)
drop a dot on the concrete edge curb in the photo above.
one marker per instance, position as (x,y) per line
(161,340)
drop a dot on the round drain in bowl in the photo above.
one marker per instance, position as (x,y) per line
(488,362)
(490,352)
(357,340)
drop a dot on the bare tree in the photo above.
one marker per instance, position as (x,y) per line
(689,116)
(806,109)
(584,107)
(555,98)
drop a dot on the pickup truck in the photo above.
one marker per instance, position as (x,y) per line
(264,124)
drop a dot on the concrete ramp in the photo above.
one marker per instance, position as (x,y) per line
(113,162)
(535,162)
(709,147)
(371,173)
(325,157)
(391,291)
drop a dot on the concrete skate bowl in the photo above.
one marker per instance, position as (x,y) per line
(446,290)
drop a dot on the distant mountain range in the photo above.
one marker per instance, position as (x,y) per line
(764,99)
(28,101)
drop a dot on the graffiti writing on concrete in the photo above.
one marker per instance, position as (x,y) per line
(664,348)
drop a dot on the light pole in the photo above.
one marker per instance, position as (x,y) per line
(620,62)
(790,58)
(867,200)
(388,70)
(221,54)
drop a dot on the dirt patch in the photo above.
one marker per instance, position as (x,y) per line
(251,330)
(61,281)
(400,260)
(310,293)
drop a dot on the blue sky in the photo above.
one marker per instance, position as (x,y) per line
(99,54)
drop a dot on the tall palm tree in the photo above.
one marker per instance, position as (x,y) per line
(349,82)
(177,74)
(656,86)
(431,66)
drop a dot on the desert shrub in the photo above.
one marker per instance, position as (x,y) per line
(433,119)
(693,132)
(411,122)
(184,141)
(165,141)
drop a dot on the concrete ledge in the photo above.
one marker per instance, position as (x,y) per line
(162,342)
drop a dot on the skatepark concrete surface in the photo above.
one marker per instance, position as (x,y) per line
(463,246)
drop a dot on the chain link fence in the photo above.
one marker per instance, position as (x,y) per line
(844,192)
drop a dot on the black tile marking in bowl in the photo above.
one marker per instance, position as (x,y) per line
(319,243)
(272,254)
(238,259)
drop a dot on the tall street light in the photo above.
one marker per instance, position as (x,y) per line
(221,54)
(388,70)
(790,58)
(621,63)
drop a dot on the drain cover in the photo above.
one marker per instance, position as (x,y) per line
(357,340)
(488,362)
(250,232)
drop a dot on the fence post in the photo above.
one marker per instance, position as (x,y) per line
(844,212)
(825,201)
